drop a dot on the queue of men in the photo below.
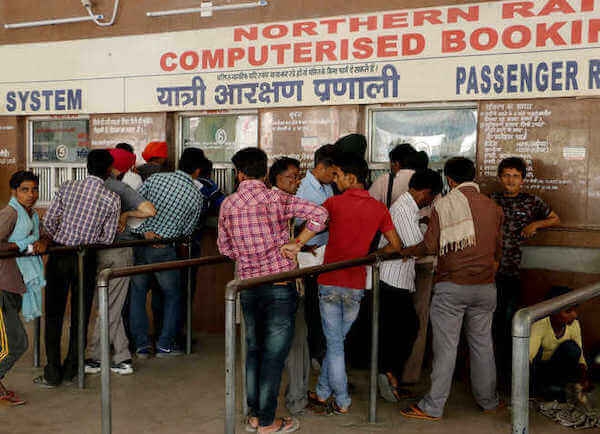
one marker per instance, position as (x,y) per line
(275,221)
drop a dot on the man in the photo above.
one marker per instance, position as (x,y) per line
(399,172)
(13,337)
(132,205)
(253,230)
(524,214)
(465,230)
(155,154)
(354,218)
(316,188)
(397,285)
(556,352)
(355,144)
(285,174)
(82,212)
(131,178)
(178,204)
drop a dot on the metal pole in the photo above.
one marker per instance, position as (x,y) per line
(520,372)
(243,363)
(36,342)
(81,320)
(230,296)
(374,345)
(188,346)
(103,280)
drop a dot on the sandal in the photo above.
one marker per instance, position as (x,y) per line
(250,427)
(386,389)
(316,406)
(11,400)
(335,408)
(414,412)
(43,383)
(288,424)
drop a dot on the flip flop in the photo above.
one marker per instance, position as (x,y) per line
(288,424)
(386,389)
(414,412)
(249,426)
(11,400)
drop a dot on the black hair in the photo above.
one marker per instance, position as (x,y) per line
(400,152)
(416,161)
(459,169)
(355,144)
(516,163)
(426,180)
(557,291)
(191,160)
(326,155)
(252,162)
(20,177)
(126,147)
(351,163)
(98,163)
(206,168)
(279,166)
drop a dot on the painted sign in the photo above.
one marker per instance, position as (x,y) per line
(505,49)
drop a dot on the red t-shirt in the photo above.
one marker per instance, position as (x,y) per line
(354,218)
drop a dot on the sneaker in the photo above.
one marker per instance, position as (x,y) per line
(11,400)
(123,368)
(92,366)
(172,351)
(144,352)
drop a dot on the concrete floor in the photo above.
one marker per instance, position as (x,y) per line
(186,395)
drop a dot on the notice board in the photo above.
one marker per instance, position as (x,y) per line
(560,141)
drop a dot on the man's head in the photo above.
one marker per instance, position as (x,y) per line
(424,186)
(459,170)
(355,144)
(206,169)
(250,163)
(352,172)
(567,315)
(399,155)
(285,174)
(156,153)
(417,161)
(24,186)
(191,161)
(123,161)
(126,147)
(512,172)
(325,168)
(99,163)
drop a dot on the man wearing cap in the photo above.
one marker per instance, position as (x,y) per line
(132,205)
(155,155)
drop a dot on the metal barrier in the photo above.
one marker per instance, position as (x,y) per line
(521,330)
(103,279)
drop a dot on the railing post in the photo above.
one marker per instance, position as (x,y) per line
(103,280)
(188,346)
(520,372)
(374,345)
(81,319)
(243,365)
(230,337)
(36,342)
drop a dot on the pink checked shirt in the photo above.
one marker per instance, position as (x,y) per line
(253,225)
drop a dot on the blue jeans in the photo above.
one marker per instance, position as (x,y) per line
(170,285)
(269,313)
(339,309)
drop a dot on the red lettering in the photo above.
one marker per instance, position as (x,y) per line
(332,25)
(356,23)
(453,41)
(509,10)
(302,52)
(264,55)
(275,31)
(189,60)
(251,35)
(556,6)
(326,49)
(307,27)
(165,58)
(431,15)
(386,46)
(594,28)
(394,21)
(407,44)
(343,49)
(587,5)
(492,38)
(233,55)
(280,49)
(576,32)
(544,33)
(472,14)
(509,42)
(363,47)
(214,59)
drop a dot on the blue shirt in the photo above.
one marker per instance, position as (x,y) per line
(312,190)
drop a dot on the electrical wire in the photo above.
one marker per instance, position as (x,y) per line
(88,7)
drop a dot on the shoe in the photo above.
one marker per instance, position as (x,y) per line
(144,352)
(172,351)
(43,383)
(11,400)
(123,368)
(92,366)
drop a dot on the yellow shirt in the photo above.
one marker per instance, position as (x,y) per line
(542,335)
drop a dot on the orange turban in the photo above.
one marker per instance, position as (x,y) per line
(155,150)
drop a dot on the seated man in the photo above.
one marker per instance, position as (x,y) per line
(556,352)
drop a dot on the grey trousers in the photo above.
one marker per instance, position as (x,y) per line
(117,294)
(451,303)
(298,365)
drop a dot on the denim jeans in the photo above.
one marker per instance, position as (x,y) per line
(339,309)
(170,285)
(269,313)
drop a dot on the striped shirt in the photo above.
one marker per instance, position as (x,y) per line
(405,215)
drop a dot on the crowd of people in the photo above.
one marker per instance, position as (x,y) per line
(275,221)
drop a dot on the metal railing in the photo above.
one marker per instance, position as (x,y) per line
(103,280)
(521,331)
(81,251)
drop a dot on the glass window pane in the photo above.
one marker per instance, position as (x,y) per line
(220,136)
(442,133)
(60,141)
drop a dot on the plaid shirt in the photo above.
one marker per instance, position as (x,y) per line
(253,225)
(178,204)
(83,212)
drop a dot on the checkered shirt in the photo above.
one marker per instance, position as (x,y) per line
(83,212)
(253,225)
(178,204)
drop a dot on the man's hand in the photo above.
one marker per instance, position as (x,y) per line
(586,386)
(291,250)
(310,249)
(122,223)
(151,236)
(529,231)
(40,246)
